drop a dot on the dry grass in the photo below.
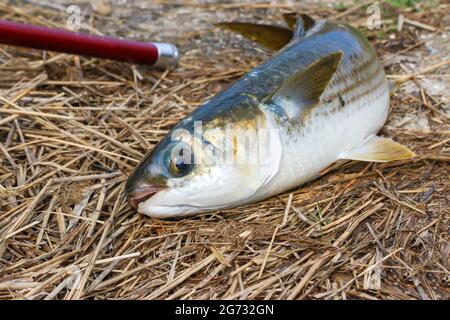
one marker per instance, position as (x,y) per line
(71,129)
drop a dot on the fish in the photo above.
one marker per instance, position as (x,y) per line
(321,97)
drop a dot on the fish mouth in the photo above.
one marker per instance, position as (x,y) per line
(141,194)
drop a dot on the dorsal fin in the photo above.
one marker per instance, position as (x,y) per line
(270,37)
(299,94)
(294,20)
(299,30)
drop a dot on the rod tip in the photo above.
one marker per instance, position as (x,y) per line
(167,56)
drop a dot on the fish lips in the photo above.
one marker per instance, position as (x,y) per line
(141,194)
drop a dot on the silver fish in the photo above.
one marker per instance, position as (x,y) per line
(321,98)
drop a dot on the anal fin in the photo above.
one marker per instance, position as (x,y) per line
(393,87)
(379,149)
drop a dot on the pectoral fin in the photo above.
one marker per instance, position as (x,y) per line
(379,149)
(270,37)
(299,94)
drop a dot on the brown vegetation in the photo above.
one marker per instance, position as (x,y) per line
(73,128)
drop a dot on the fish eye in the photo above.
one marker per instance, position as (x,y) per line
(180,160)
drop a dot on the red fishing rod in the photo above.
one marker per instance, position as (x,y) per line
(160,55)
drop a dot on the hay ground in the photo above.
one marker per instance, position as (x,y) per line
(72,129)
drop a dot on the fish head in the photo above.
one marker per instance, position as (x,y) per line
(195,170)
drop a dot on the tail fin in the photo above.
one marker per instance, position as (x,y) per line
(269,36)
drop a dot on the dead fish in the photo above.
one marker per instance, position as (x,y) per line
(322,98)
